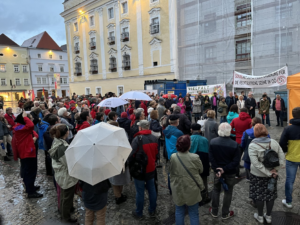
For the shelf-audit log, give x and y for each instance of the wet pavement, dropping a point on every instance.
(17, 209)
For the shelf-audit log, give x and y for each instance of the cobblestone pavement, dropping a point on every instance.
(16, 209)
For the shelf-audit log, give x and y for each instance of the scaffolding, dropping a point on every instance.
(255, 37)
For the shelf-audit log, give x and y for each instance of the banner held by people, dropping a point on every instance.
(274, 79)
(208, 90)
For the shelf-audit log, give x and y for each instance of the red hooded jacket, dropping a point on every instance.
(145, 108)
(22, 141)
(93, 113)
(10, 120)
(241, 124)
(150, 148)
(82, 126)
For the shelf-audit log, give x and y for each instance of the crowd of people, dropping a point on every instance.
(161, 127)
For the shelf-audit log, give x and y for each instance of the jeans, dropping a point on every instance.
(279, 115)
(230, 181)
(216, 110)
(140, 192)
(193, 214)
(28, 173)
(267, 119)
(223, 119)
(291, 171)
(189, 115)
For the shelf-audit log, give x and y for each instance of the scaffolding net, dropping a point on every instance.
(217, 37)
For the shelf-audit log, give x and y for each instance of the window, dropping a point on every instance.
(3, 82)
(16, 68)
(243, 49)
(39, 56)
(126, 62)
(40, 67)
(92, 22)
(210, 25)
(94, 66)
(284, 11)
(2, 68)
(125, 34)
(112, 64)
(62, 69)
(33, 41)
(78, 69)
(50, 56)
(44, 80)
(98, 90)
(243, 19)
(111, 13)
(154, 63)
(60, 57)
(52, 80)
(286, 42)
(18, 82)
(38, 80)
(210, 54)
(25, 69)
(154, 26)
(111, 38)
(243, 7)
(76, 48)
(15, 55)
(124, 7)
(51, 68)
(26, 83)
(120, 90)
(87, 91)
(76, 27)
(93, 43)
(64, 80)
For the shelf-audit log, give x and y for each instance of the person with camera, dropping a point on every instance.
(265, 155)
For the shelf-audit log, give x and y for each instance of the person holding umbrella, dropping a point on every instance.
(61, 173)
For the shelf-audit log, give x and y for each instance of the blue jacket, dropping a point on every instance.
(43, 126)
(171, 134)
(230, 117)
(227, 100)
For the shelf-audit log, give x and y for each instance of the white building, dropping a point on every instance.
(47, 59)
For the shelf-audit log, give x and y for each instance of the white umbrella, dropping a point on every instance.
(98, 153)
(112, 102)
(135, 95)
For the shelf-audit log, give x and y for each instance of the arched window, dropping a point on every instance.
(78, 69)
(94, 66)
(126, 62)
(112, 64)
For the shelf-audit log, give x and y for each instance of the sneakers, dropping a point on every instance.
(136, 216)
(6, 159)
(268, 218)
(229, 215)
(122, 199)
(210, 211)
(35, 195)
(259, 219)
(288, 205)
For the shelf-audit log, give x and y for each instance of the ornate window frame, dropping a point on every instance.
(155, 45)
(155, 13)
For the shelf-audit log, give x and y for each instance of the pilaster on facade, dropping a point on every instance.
(118, 38)
(102, 48)
(140, 37)
(83, 23)
(70, 47)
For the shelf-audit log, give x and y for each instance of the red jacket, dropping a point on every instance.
(241, 124)
(82, 126)
(150, 145)
(22, 142)
(10, 120)
(93, 113)
(145, 108)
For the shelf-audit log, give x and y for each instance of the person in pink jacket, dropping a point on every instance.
(181, 105)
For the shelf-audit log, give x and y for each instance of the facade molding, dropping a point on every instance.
(126, 48)
(92, 33)
(93, 55)
(155, 41)
(102, 47)
(154, 11)
(140, 37)
(76, 38)
(112, 51)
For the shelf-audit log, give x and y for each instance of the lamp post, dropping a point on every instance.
(12, 86)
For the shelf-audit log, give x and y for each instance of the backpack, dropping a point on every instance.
(137, 167)
(271, 158)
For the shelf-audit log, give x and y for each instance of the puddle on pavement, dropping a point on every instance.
(2, 182)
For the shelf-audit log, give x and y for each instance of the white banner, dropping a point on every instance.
(147, 91)
(208, 89)
(275, 79)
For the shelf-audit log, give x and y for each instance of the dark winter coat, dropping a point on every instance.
(184, 123)
(155, 126)
(125, 124)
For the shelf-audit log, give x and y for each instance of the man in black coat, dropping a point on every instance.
(250, 104)
(124, 122)
(224, 156)
(169, 102)
(184, 122)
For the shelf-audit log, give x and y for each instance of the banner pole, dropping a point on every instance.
(233, 83)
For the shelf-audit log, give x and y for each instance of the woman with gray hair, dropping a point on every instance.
(241, 102)
(224, 156)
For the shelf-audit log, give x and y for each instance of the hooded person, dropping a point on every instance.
(64, 116)
(172, 133)
(124, 122)
(106, 112)
(241, 124)
(94, 110)
(50, 103)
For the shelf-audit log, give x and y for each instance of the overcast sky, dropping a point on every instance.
(22, 19)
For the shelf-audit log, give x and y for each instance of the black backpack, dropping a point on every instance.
(137, 166)
(271, 158)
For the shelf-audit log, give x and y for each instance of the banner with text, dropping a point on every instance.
(208, 89)
(57, 80)
(275, 79)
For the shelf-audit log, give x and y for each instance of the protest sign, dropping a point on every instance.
(208, 89)
(274, 79)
